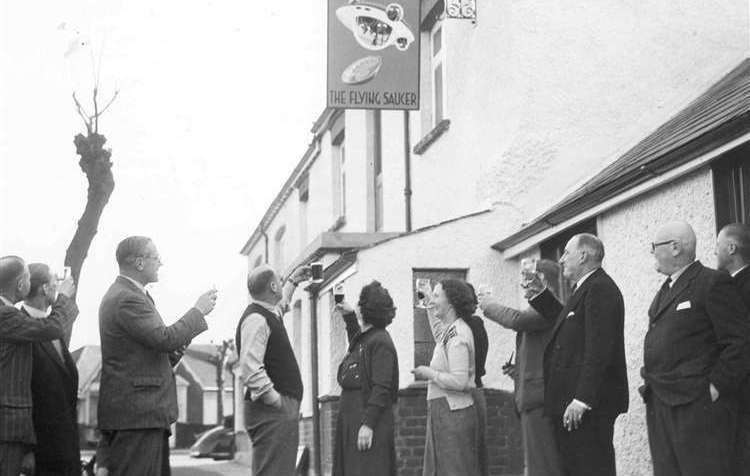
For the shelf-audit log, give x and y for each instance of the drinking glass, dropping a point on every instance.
(424, 289)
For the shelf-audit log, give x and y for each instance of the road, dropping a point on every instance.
(183, 465)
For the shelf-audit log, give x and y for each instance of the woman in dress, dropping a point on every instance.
(368, 375)
(453, 445)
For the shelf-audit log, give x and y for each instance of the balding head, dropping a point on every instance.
(583, 253)
(674, 247)
(263, 285)
(733, 247)
(14, 278)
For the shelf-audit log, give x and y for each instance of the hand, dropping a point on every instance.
(532, 286)
(344, 308)
(28, 464)
(573, 415)
(303, 273)
(510, 370)
(423, 372)
(67, 287)
(206, 303)
(364, 438)
(714, 392)
(272, 398)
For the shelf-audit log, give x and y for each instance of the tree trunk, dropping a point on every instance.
(96, 165)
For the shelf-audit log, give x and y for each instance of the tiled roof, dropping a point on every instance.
(719, 115)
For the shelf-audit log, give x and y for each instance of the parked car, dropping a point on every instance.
(216, 443)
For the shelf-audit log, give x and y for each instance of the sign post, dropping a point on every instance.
(373, 54)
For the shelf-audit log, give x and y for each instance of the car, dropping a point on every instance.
(216, 443)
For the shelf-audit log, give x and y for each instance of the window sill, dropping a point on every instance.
(432, 136)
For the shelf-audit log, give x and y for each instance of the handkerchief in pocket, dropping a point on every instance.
(683, 305)
(570, 314)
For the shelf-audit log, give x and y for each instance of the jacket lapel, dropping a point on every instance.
(682, 283)
(54, 355)
(574, 300)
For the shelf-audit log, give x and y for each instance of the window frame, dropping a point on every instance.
(437, 60)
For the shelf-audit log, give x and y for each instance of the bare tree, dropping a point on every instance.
(220, 361)
(97, 167)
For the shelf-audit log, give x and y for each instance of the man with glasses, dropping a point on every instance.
(695, 354)
(137, 396)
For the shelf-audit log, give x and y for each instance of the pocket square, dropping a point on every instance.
(683, 305)
(570, 314)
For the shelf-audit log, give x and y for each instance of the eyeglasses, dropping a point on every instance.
(156, 258)
(660, 243)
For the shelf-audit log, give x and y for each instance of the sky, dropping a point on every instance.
(216, 100)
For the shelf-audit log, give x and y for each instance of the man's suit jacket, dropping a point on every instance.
(742, 281)
(698, 334)
(17, 333)
(585, 357)
(137, 388)
(532, 334)
(54, 392)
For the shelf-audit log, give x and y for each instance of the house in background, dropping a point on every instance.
(197, 393)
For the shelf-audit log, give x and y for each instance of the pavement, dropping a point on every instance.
(183, 465)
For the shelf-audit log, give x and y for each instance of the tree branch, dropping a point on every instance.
(109, 103)
(81, 112)
(96, 112)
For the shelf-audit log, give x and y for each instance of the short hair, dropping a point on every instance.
(460, 296)
(40, 275)
(376, 305)
(740, 233)
(259, 280)
(592, 245)
(11, 268)
(131, 248)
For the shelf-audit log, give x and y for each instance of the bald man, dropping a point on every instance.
(733, 256)
(18, 333)
(694, 360)
(269, 372)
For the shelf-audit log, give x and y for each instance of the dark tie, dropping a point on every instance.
(575, 286)
(664, 291)
(148, 295)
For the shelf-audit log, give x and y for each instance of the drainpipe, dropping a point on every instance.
(314, 364)
(407, 166)
(265, 236)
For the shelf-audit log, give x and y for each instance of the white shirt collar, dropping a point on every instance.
(265, 305)
(5, 301)
(676, 275)
(739, 270)
(584, 278)
(137, 284)
(34, 312)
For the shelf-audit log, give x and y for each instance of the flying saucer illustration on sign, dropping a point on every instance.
(375, 27)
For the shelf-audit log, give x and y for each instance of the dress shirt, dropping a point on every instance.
(676, 275)
(39, 314)
(739, 270)
(5, 301)
(255, 334)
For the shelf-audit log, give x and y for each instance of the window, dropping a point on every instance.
(732, 187)
(424, 344)
(339, 177)
(278, 260)
(303, 189)
(553, 249)
(297, 329)
(378, 172)
(437, 51)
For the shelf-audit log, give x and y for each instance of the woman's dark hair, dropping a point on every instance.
(460, 296)
(481, 341)
(376, 305)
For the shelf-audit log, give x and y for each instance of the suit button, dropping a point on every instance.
(653, 325)
(557, 347)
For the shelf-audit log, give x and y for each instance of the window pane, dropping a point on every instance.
(732, 187)
(437, 41)
(438, 83)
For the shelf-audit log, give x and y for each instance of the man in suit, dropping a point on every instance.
(733, 256)
(694, 360)
(269, 371)
(54, 387)
(18, 332)
(137, 396)
(541, 457)
(585, 378)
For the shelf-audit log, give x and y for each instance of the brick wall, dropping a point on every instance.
(503, 432)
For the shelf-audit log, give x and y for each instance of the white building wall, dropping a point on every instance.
(627, 232)
(543, 94)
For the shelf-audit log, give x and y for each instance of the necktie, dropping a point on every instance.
(148, 295)
(664, 291)
(575, 287)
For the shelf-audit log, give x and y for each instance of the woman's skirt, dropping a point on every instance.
(380, 459)
(453, 440)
